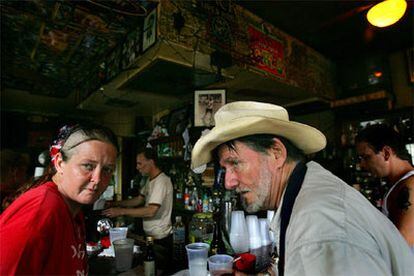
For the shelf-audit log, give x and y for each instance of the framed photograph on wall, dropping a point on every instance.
(206, 104)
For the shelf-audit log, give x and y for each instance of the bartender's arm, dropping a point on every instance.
(404, 217)
(133, 202)
(140, 212)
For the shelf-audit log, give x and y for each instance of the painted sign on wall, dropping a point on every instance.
(266, 53)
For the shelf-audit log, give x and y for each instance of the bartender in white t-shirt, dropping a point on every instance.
(157, 199)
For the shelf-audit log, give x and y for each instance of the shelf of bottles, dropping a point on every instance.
(168, 146)
(192, 193)
(207, 209)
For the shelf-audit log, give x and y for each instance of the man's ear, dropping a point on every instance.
(387, 151)
(279, 151)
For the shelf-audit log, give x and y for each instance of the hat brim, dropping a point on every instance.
(304, 137)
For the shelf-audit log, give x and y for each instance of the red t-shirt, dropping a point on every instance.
(38, 235)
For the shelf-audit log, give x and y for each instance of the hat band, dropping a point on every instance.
(220, 123)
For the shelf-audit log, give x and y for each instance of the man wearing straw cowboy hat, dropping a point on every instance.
(324, 226)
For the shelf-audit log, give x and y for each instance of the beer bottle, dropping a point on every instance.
(149, 261)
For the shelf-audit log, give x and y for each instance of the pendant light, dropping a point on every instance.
(386, 12)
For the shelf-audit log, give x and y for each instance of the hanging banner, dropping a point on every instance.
(266, 53)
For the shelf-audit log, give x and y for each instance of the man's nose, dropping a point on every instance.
(230, 180)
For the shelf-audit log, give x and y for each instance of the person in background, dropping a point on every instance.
(382, 152)
(325, 227)
(42, 232)
(13, 173)
(208, 118)
(157, 200)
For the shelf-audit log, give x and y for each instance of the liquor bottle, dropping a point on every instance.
(217, 245)
(178, 197)
(205, 202)
(179, 241)
(149, 261)
(186, 199)
(194, 199)
(199, 206)
(217, 189)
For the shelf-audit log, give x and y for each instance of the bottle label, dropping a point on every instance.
(179, 234)
(149, 268)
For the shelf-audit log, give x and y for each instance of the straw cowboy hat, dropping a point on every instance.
(238, 119)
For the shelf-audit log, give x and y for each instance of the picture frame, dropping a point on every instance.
(206, 104)
(150, 30)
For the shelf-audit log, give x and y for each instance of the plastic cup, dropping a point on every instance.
(264, 232)
(117, 233)
(220, 264)
(238, 222)
(239, 243)
(124, 253)
(254, 231)
(197, 258)
(270, 214)
(239, 237)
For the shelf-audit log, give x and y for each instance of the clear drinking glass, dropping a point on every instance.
(197, 258)
(124, 253)
(117, 233)
(220, 264)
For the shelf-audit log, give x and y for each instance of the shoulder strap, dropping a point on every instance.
(292, 190)
(385, 201)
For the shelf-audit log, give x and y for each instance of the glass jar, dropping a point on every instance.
(201, 228)
(209, 227)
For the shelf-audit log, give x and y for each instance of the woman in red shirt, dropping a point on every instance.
(43, 231)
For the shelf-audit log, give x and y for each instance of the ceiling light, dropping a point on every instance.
(386, 13)
(378, 74)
